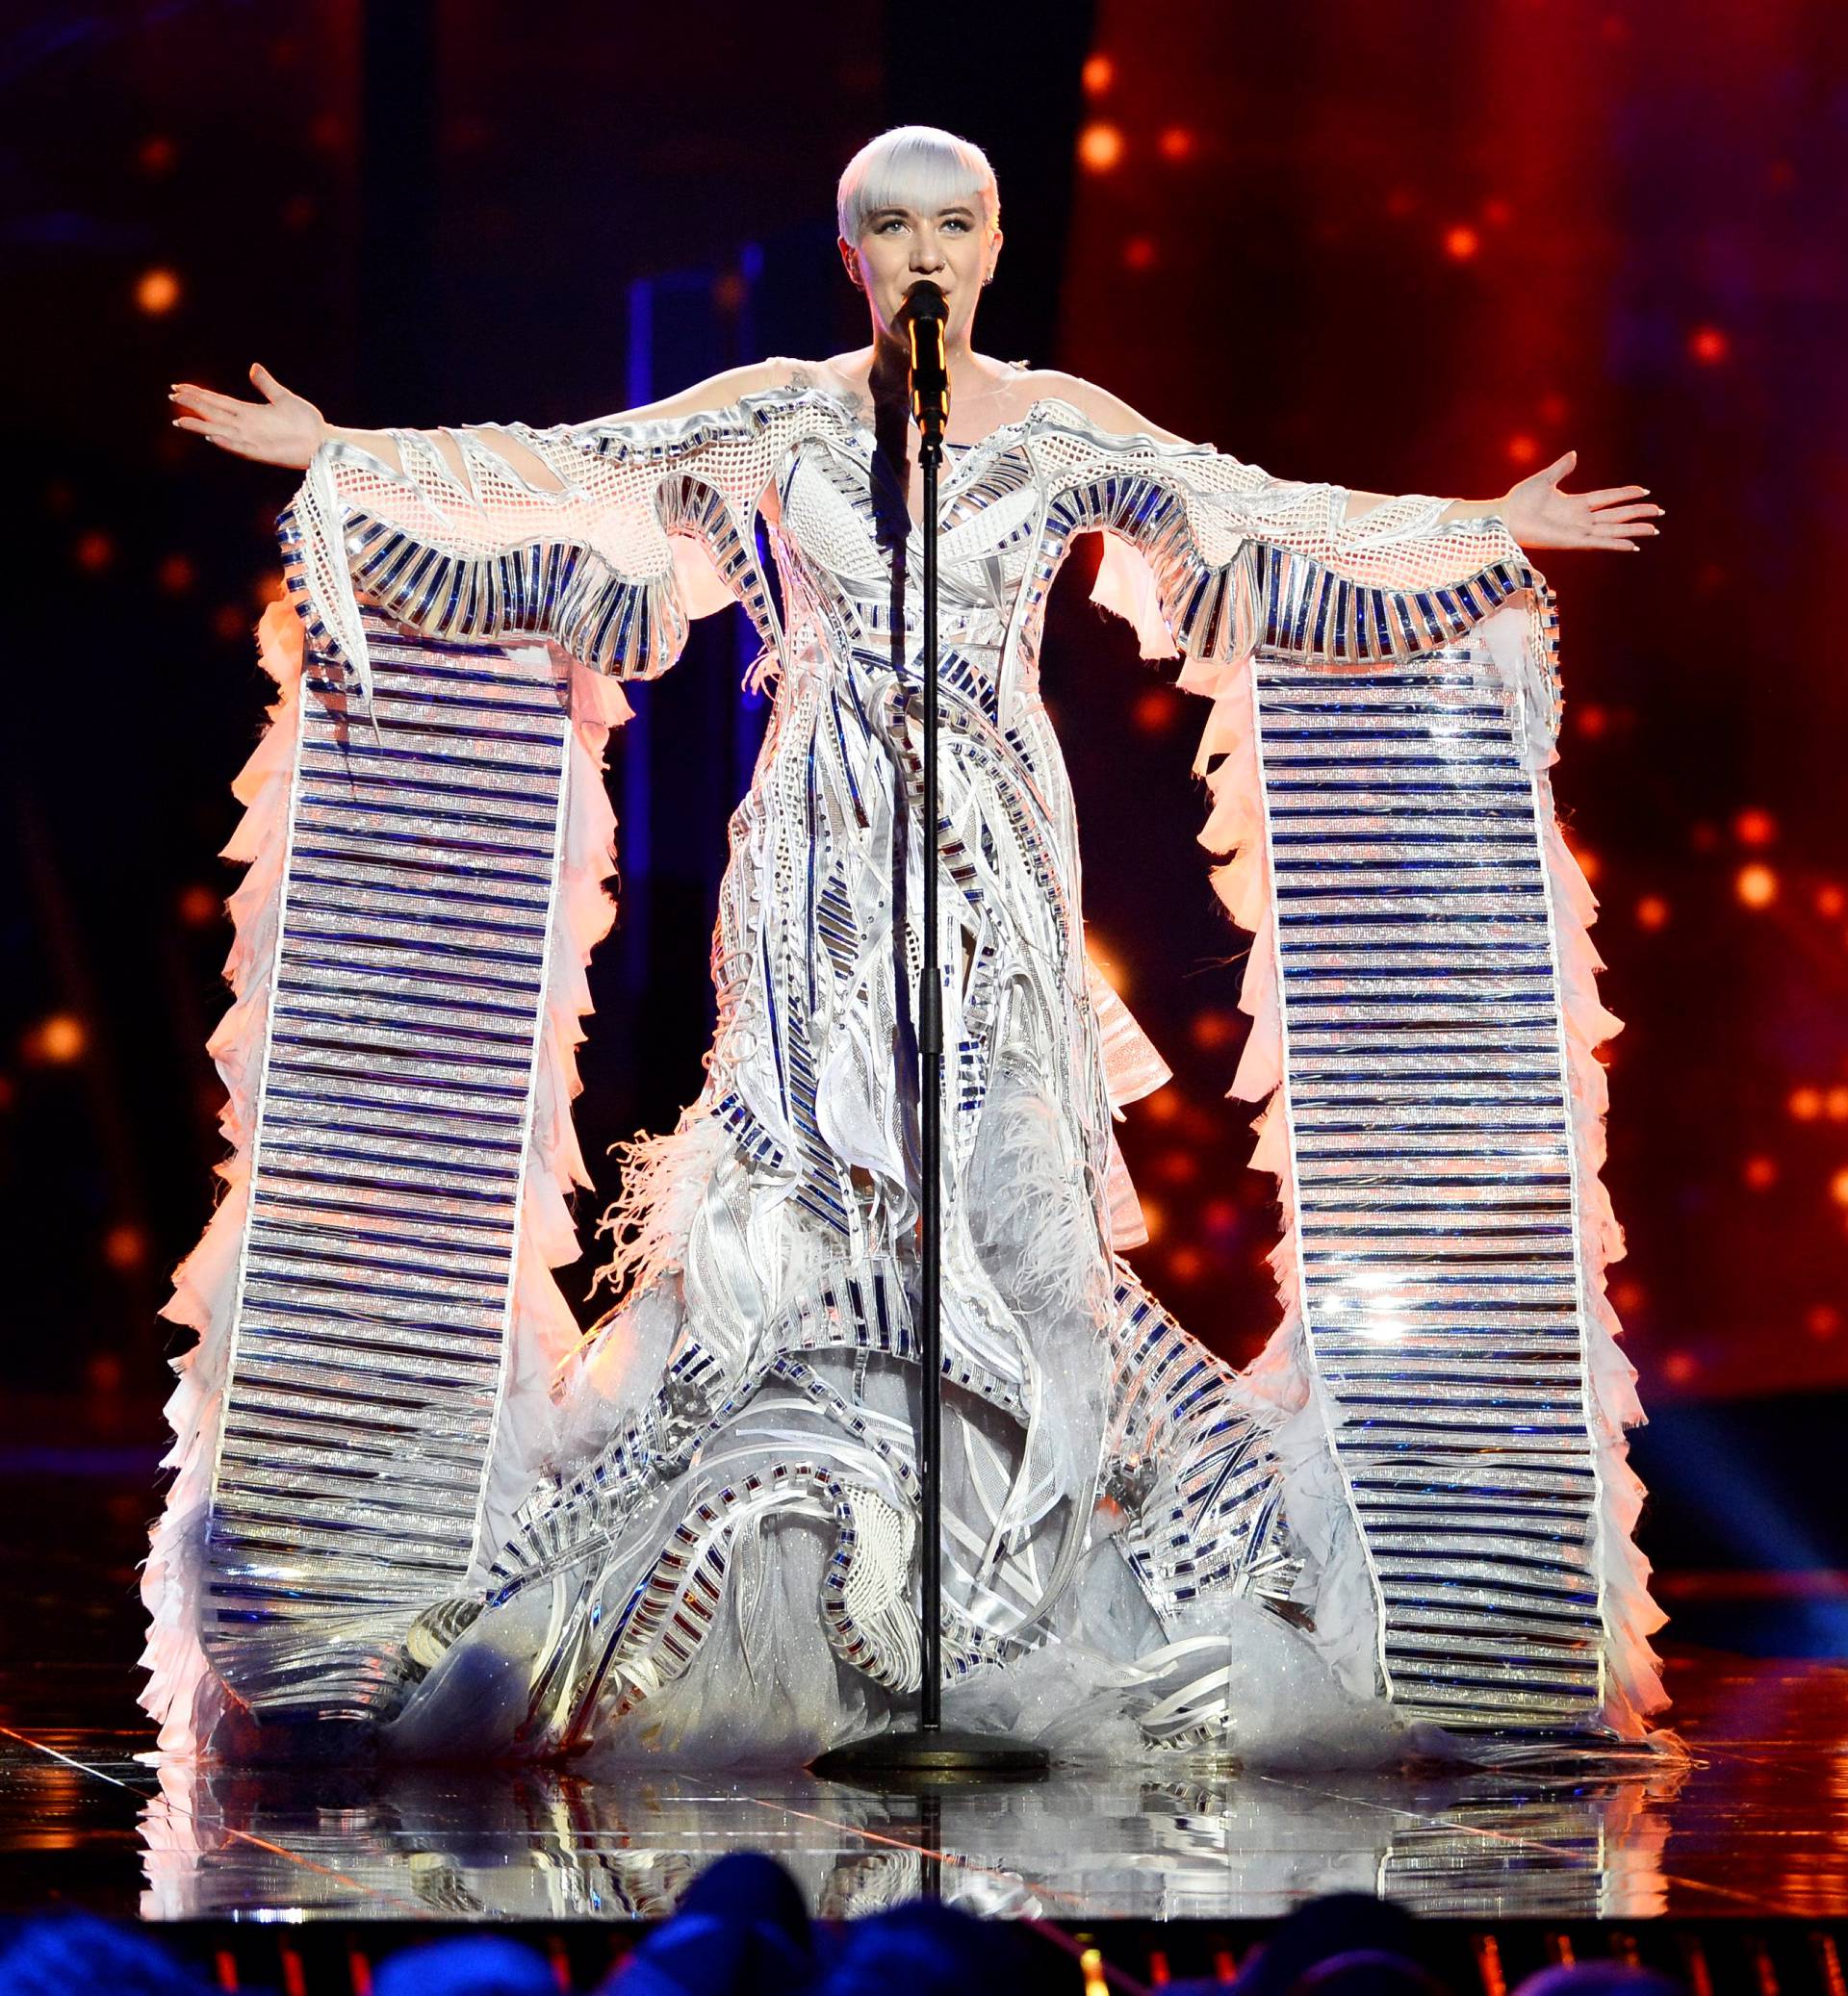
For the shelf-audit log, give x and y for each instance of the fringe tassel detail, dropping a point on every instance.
(183, 1693)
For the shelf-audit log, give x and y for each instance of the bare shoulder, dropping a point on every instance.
(1097, 405)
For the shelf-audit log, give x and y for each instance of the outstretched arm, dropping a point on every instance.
(286, 429)
(1537, 512)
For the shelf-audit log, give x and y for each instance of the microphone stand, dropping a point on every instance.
(930, 1754)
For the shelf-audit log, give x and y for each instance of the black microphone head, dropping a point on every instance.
(925, 300)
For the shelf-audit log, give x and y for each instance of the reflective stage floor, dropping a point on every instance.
(1752, 1824)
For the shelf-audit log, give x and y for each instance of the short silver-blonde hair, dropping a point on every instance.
(915, 166)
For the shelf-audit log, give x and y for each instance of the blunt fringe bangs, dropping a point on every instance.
(915, 166)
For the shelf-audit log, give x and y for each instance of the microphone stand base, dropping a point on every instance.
(933, 1757)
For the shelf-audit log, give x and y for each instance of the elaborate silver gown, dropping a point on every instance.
(412, 1507)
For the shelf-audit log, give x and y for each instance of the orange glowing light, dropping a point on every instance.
(1804, 1104)
(729, 293)
(1755, 885)
(1589, 863)
(1178, 1167)
(1100, 147)
(1097, 75)
(1162, 1107)
(94, 550)
(1154, 1220)
(1213, 1028)
(1708, 346)
(177, 575)
(157, 292)
(56, 1040)
(229, 622)
(1155, 712)
(1629, 1297)
(1829, 900)
(1838, 1187)
(1461, 242)
(1755, 828)
(1680, 1367)
(124, 1248)
(1760, 1173)
(1824, 1320)
(197, 906)
(1835, 1105)
(1140, 253)
(1522, 448)
(1177, 142)
(1186, 1264)
(1652, 912)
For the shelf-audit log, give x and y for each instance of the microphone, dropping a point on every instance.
(925, 312)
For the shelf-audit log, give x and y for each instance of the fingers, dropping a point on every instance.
(1618, 515)
(205, 400)
(266, 383)
(1613, 495)
(1560, 466)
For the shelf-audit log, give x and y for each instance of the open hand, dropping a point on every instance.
(1539, 515)
(280, 430)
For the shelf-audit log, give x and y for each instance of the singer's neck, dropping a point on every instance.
(888, 368)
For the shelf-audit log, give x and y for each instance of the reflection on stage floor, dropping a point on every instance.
(1751, 1822)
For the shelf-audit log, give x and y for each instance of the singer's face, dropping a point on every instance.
(899, 245)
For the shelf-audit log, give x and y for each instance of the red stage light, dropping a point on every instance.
(1591, 720)
(124, 1248)
(1652, 912)
(1823, 1322)
(1838, 1187)
(1829, 900)
(94, 550)
(1804, 1104)
(1523, 448)
(1461, 242)
(177, 575)
(1760, 1173)
(157, 292)
(56, 1041)
(1708, 346)
(1100, 147)
(197, 905)
(1755, 828)
(1176, 143)
(1139, 253)
(1097, 75)
(1755, 885)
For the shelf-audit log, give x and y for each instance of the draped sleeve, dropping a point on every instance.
(1212, 560)
(590, 567)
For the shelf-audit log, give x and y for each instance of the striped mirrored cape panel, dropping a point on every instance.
(377, 1285)
(1431, 1142)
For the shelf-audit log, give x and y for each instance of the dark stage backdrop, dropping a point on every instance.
(1418, 247)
